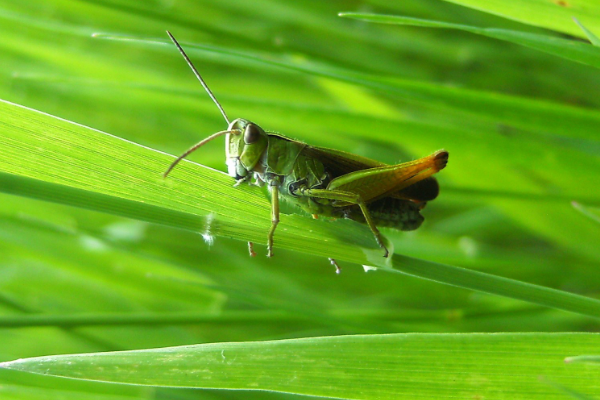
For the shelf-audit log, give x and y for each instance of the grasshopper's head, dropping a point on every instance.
(245, 144)
(244, 147)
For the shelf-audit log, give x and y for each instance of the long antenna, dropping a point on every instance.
(195, 147)
(210, 93)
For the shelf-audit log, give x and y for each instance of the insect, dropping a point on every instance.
(324, 181)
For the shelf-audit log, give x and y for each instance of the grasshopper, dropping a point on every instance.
(324, 181)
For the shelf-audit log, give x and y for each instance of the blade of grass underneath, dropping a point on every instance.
(400, 366)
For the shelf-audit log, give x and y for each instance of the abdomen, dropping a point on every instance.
(389, 212)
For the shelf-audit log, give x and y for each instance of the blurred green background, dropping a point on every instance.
(518, 123)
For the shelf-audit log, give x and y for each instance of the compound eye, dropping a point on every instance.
(252, 134)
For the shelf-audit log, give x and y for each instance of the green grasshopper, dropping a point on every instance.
(324, 181)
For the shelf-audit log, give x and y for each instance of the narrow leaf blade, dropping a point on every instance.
(399, 366)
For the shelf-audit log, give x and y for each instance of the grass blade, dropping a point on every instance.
(555, 15)
(590, 35)
(400, 366)
(569, 49)
(129, 184)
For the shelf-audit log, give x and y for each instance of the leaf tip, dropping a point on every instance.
(590, 36)
(14, 364)
(583, 359)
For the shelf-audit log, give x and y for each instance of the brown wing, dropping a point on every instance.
(425, 190)
(338, 163)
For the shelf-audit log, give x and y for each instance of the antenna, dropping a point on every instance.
(195, 147)
(210, 93)
(214, 99)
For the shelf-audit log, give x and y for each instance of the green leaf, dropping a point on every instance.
(398, 366)
(588, 359)
(569, 49)
(58, 157)
(591, 212)
(555, 14)
(574, 394)
(590, 35)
